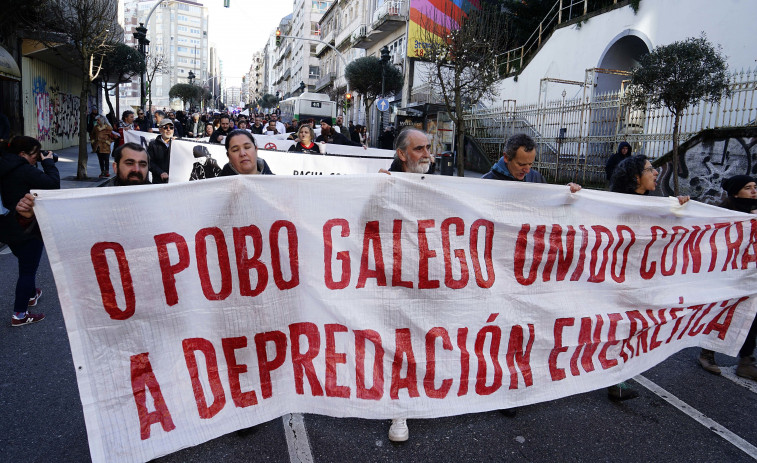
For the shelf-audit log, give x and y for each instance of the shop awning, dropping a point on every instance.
(8, 67)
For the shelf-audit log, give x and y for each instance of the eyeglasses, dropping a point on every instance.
(140, 114)
(167, 127)
(648, 169)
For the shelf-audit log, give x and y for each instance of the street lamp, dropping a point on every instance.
(140, 35)
(191, 77)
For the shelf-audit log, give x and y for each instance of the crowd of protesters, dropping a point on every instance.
(628, 173)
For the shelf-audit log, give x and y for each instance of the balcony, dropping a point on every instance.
(387, 18)
(324, 81)
(359, 33)
(321, 48)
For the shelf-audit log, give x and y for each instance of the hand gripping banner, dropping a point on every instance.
(199, 308)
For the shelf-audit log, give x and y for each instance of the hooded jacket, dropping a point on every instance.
(615, 159)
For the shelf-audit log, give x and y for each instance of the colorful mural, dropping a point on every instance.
(57, 112)
(437, 16)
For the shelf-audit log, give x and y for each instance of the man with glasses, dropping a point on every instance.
(159, 151)
(143, 124)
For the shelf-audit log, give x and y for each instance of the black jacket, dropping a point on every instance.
(219, 132)
(144, 125)
(262, 168)
(160, 158)
(298, 148)
(338, 139)
(615, 159)
(18, 177)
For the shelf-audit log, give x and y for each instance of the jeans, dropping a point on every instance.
(28, 254)
(747, 349)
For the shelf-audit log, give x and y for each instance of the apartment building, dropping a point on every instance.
(177, 31)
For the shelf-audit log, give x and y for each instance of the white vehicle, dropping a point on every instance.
(307, 106)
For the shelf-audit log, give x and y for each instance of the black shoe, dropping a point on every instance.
(621, 392)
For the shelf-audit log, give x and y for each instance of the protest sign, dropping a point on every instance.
(199, 308)
(193, 160)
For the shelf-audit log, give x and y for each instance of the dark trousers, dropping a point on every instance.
(28, 254)
(749, 343)
(103, 158)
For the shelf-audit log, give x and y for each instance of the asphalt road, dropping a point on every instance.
(41, 417)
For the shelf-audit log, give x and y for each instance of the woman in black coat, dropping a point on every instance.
(742, 197)
(19, 174)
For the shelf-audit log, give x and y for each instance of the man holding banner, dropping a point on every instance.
(131, 164)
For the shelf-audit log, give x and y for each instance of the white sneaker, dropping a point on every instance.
(398, 431)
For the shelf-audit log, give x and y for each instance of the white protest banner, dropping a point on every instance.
(140, 138)
(194, 161)
(199, 308)
(280, 143)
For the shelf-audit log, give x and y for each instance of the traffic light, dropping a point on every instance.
(347, 100)
(278, 37)
(226, 3)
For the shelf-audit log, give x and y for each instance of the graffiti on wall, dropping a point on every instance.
(704, 165)
(57, 112)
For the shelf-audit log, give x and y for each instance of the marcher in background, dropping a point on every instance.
(624, 151)
(143, 123)
(159, 116)
(243, 156)
(258, 127)
(208, 130)
(219, 135)
(305, 143)
(742, 197)
(196, 127)
(102, 136)
(280, 127)
(19, 175)
(92, 119)
(159, 151)
(271, 129)
(341, 128)
(178, 128)
(329, 135)
(126, 123)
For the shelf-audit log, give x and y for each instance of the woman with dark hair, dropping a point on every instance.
(243, 155)
(208, 130)
(305, 143)
(19, 174)
(633, 175)
(742, 197)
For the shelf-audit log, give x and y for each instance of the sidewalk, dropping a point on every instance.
(68, 159)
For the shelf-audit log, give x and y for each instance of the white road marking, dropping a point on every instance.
(730, 373)
(737, 441)
(297, 438)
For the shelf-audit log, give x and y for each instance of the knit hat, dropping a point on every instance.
(734, 184)
(327, 120)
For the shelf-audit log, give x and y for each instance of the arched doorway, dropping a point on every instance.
(622, 54)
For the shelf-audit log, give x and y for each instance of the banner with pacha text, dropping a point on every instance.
(198, 308)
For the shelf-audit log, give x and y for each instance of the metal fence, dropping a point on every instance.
(576, 136)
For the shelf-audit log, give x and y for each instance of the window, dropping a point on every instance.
(315, 28)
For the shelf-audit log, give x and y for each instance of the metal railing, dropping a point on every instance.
(397, 8)
(512, 61)
(576, 136)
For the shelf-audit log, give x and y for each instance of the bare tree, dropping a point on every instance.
(156, 64)
(461, 50)
(81, 32)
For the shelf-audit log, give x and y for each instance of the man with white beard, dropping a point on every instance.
(412, 155)
(413, 152)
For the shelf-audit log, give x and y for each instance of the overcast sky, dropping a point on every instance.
(241, 30)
